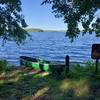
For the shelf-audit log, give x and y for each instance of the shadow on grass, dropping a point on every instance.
(79, 84)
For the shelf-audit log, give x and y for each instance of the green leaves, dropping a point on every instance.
(75, 12)
(12, 21)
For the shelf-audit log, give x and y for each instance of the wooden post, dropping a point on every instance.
(67, 63)
(96, 70)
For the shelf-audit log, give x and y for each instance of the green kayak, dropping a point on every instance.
(42, 65)
(34, 63)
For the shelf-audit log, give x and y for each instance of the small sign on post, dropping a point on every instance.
(96, 54)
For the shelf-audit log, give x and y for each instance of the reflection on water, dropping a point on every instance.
(50, 46)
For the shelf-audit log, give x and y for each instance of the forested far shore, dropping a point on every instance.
(34, 30)
(42, 30)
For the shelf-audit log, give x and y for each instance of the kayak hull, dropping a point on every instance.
(34, 63)
(41, 64)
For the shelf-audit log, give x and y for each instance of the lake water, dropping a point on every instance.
(53, 46)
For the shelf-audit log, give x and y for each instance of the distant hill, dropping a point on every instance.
(54, 30)
(34, 30)
(41, 30)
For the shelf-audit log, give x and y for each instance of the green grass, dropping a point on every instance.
(79, 84)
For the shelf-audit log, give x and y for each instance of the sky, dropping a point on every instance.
(38, 16)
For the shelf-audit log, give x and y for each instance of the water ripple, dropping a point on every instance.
(52, 46)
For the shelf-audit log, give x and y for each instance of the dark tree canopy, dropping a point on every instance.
(12, 21)
(75, 12)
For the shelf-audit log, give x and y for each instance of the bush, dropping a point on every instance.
(4, 66)
(57, 69)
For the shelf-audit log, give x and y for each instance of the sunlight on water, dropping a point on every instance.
(52, 46)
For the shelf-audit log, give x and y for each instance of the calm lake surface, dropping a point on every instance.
(53, 46)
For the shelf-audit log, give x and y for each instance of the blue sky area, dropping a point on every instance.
(38, 16)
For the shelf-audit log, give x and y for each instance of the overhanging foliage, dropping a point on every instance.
(12, 21)
(77, 12)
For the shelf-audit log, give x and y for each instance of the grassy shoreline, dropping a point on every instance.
(28, 84)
